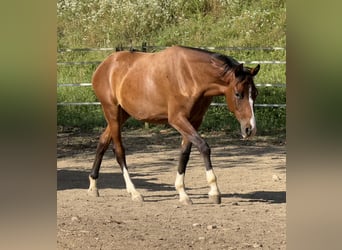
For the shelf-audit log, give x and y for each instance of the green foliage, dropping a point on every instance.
(98, 23)
(225, 23)
(269, 120)
(84, 117)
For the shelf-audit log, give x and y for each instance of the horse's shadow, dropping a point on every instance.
(259, 196)
(76, 179)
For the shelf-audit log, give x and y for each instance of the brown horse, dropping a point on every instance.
(174, 86)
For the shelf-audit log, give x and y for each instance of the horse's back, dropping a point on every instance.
(118, 64)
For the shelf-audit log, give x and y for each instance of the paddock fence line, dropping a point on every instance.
(144, 48)
(88, 84)
(147, 48)
(212, 104)
(279, 85)
(98, 62)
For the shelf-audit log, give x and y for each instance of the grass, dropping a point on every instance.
(100, 23)
(217, 23)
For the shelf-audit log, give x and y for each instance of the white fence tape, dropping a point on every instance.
(164, 47)
(98, 62)
(212, 104)
(87, 84)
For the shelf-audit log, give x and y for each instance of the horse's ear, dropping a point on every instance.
(255, 70)
(238, 69)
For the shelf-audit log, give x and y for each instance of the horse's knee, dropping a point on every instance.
(204, 148)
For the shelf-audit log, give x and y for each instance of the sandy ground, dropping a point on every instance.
(251, 177)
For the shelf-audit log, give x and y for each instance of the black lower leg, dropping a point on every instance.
(120, 155)
(205, 152)
(96, 167)
(184, 157)
(101, 149)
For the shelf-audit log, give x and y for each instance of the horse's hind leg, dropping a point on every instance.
(102, 146)
(116, 118)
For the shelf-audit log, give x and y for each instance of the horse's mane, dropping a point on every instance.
(228, 62)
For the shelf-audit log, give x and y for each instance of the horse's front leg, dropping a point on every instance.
(183, 160)
(189, 132)
(204, 149)
(214, 193)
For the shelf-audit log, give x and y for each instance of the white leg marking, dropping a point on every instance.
(93, 187)
(211, 178)
(179, 184)
(130, 186)
(252, 120)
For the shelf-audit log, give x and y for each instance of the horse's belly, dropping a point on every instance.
(145, 107)
(146, 112)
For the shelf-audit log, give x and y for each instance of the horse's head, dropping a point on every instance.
(240, 97)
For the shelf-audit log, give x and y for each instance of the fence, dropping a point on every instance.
(146, 48)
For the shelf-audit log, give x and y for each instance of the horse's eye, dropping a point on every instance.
(239, 95)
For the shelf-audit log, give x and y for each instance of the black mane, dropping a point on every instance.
(228, 62)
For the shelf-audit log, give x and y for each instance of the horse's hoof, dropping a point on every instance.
(216, 199)
(186, 202)
(138, 198)
(93, 192)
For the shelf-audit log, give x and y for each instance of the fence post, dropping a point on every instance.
(144, 47)
(119, 48)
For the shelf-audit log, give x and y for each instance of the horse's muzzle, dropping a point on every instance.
(247, 131)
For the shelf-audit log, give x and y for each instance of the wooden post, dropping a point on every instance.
(144, 47)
